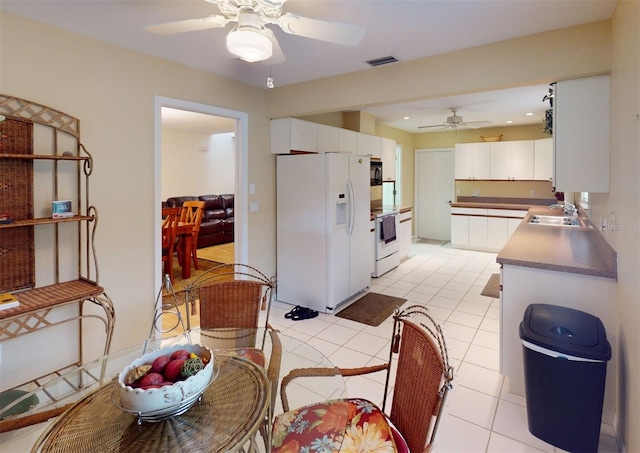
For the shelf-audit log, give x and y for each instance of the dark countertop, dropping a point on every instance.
(500, 202)
(576, 250)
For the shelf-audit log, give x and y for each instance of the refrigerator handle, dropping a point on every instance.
(352, 207)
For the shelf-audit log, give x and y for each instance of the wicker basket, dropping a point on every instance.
(491, 138)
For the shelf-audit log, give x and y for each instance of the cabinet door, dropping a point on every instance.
(501, 160)
(404, 242)
(388, 153)
(348, 141)
(459, 230)
(512, 224)
(328, 139)
(522, 157)
(477, 231)
(497, 232)
(364, 144)
(304, 135)
(462, 160)
(375, 147)
(543, 159)
(481, 161)
(581, 135)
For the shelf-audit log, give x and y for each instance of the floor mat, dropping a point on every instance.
(371, 309)
(492, 288)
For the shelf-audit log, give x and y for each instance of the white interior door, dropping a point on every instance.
(434, 192)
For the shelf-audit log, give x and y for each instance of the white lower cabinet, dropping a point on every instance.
(483, 229)
(522, 286)
(404, 235)
(372, 235)
(477, 231)
(459, 231)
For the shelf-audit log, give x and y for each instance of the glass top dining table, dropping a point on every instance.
(84, 396)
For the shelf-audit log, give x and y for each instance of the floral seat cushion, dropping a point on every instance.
(343, 425)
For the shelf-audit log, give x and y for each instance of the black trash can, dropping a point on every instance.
(565, 355)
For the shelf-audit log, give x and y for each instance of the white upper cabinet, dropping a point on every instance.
(368, 145)
(292, 134)
(472, 161)
(581, 135)
(348, 141)
(512, 160)
(328, 139)
(388, 155)
(543, 159)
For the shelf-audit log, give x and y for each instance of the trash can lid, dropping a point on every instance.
(565, 330)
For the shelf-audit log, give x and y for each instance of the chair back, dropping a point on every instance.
(423, 377)
(192, 213)
(231, 297)
(170, 219)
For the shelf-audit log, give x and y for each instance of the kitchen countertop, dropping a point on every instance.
(575, 250)
(389, 209)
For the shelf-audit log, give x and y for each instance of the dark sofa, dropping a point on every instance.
(217, 219)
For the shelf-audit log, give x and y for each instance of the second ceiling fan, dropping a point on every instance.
(456, 122)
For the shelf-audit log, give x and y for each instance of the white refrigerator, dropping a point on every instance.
(323, 230)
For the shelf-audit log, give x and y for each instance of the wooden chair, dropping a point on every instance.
(192, 212)
(423, 378)
(171, 217)
(231, 297)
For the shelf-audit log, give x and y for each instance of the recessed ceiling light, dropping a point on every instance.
(406, 118)
(529, 114)
(509, 122)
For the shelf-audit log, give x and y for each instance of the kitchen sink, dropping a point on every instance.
(564, 221)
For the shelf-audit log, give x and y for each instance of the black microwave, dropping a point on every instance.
(376, 173)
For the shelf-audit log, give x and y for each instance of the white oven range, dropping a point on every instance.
(387, 246)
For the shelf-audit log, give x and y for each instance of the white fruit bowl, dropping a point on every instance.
(173, 399)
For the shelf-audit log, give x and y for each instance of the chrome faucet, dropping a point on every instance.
(569, 209)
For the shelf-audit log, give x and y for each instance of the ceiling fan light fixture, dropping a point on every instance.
(249, 44)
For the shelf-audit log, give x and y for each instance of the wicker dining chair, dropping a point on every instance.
(423, 378)
(231, 297)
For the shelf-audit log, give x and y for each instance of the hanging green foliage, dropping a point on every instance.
(548, 114)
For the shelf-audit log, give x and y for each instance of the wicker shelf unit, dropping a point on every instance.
(68, 169)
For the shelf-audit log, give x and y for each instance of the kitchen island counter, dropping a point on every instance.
(579, 250)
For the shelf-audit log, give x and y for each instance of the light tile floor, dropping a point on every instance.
(480, 415)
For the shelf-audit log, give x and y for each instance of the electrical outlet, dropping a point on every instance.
(476, 192)
(254, 206)
(533, 193)
(612, 222)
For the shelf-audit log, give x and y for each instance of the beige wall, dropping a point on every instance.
(623, 201)
(112, 91)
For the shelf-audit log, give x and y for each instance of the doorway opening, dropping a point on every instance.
(236, 120)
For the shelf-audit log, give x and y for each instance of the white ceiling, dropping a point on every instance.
(406, 30)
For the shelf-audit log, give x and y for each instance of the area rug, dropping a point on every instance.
(179, 284)
(371, 309)
(492, 288)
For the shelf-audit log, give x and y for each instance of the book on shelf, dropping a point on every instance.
(8, 300)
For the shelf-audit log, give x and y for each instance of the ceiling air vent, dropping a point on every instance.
(383, 60)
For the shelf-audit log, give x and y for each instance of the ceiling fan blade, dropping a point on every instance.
(475, 124)
(182, 26)
(433, 125)
(335, 32)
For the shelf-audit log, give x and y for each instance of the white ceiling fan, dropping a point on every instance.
(251, 40)
(456, 122)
